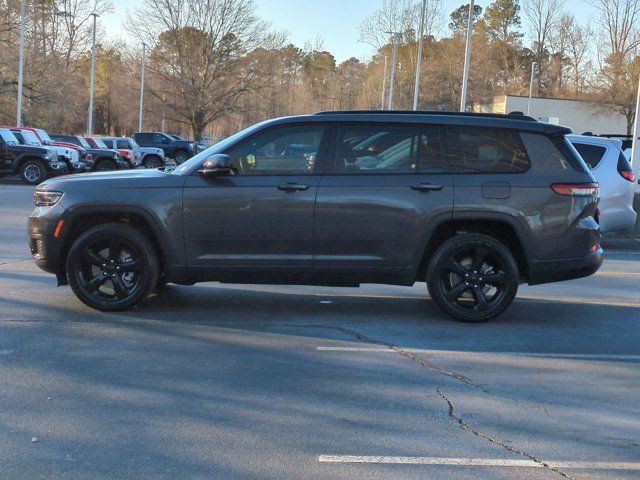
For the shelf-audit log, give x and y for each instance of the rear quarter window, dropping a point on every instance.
(485, 150)
(591, 154)
(551, 154)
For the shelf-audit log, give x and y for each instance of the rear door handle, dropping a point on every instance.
(293, 187)
(427, 187)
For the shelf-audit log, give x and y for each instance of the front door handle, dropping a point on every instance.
(293, 187)
(427, 187)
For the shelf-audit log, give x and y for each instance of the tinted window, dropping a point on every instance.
(108, 142)
(591, 154)
(377, 148)
(485, 150)
(123, 144)
(158, 138)
(432, 152)
(280, 151)
(145, 137)
(547, 154)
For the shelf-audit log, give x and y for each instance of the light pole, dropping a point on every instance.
(93, 69)
(416, 90)
(394, 61)
(21, 63)
(467, 59)
(634, 145)
(534, 65)
(384, 83)
(144, 52)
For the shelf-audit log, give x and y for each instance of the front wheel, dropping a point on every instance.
(106, 166)
(473, 278)
(112, 267)
(33, 172)
(152, 161)
(180, 157)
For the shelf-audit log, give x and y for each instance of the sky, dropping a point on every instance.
(335, 22)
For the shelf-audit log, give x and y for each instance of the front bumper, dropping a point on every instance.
(57, 168)
(548, 271)
(122, 164)
(44, 247)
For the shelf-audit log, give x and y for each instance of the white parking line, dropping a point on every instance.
(478, 462)
(577, 356)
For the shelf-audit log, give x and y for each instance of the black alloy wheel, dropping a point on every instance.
(112, 267)
(473, 277)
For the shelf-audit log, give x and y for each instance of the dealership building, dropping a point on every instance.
(581, 115)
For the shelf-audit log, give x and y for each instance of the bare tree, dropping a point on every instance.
(542, 17)
(574, 42)
(619, 22)
(199, 55)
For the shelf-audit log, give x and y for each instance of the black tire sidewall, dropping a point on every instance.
(183, 154)
(111, 163)
(128, 233)
(152, 158)
(41, 167)
(443, 253)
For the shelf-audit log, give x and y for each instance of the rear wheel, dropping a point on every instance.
(152, 161)
(473, 278)
(33, 172)
(112, 267)
(106, 166)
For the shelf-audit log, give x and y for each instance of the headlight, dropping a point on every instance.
(42, 198)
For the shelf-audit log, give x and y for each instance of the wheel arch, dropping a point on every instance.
(80, 219)
(503, 228)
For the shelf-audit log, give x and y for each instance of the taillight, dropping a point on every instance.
(627, 175)
(88, 156)
(576, 189)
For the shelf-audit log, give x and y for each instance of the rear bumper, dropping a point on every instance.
(548, 271)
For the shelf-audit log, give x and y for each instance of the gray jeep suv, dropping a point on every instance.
(472, 204)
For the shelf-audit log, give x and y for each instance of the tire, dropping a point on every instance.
(180, 157)
(106, 166)
(152, 161)
(33, 172)
(458, 274)
(112, 267)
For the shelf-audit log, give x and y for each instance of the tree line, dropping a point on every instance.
(214, 67)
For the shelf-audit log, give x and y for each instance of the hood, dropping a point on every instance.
(94, 181)
(29, 149)
(101, 152)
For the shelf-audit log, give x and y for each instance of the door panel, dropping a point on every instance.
(387, 184)
(263, 214)
(248, 220)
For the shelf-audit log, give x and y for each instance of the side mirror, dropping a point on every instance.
(215, 165)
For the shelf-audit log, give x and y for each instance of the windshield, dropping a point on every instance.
(30, 138)
(44, 136)
(8, 137)
(100, 143)
(219, 147)
(133, 143)
(84, 143)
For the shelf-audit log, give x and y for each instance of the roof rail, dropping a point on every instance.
(511, 116)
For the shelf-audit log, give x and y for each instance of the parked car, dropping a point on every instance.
(615, 176)
(44, 137)
(103, 159)
(178, 150)
(67, 155)
(200, 145)
(33, 164)
(128, 155)
(149, 157)
(473, 204)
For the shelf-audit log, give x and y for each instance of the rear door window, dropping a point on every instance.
(366, 149)
(591, 154)
(485, 150)
(123, 144)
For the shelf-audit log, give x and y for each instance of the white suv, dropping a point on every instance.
(615, 176)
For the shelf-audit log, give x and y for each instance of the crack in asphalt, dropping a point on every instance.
(465, 426)
(449, 373)
(14, 262)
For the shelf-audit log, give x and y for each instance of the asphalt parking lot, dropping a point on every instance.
(261, 382)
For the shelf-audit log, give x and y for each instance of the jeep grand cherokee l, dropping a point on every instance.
(472, 204)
